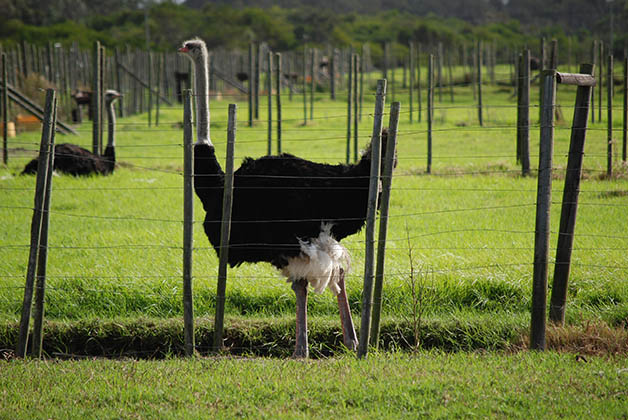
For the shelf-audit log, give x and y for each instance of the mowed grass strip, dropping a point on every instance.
(427, 384)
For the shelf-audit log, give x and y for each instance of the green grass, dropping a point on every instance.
(426, 384)
(469, 226)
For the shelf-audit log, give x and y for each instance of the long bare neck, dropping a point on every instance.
(202, 100)
(111, 126)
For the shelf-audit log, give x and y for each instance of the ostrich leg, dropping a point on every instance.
(300, 290)
(348, 330)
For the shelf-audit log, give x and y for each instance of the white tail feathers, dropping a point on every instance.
(320, 262)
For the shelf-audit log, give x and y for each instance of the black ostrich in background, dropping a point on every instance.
(287, 211)
(75, 160)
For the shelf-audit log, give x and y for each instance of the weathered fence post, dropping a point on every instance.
(411, 82)
(304, 86)
(543, 203)
(278, 88)
(269, 85)
(258, 70)
(5, 111)
(313, 85)
(251, 83)
(349, 107)
(225, 229)
(369, 259)
(389, 164)
(430, 110)
(571, 190)
(479, 81)
(119, 82)
(523, 112)
(188, 223)
(418, 83)
(332, 74)
(356, 67)
(609, 116)
(42, 257)
(36, 222)
(96, 102)
(600, 45)
(625, 111)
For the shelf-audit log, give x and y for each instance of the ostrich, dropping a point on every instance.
(75, 160)
(287, 211)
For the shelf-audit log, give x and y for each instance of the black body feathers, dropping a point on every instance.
(75, 160)
(278, 200)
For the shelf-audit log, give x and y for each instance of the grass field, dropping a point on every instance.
(391, 386)
(463, 235)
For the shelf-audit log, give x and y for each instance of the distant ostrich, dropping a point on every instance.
(287, 211)
(75, 160)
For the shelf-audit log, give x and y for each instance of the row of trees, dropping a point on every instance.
(122, 22)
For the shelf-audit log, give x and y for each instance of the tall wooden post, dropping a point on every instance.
(225, 229)
(383, 221)
(42, 257)
(304, 86)
(369, 260)
(96, 102)
(5, 110)
(609, 116)
(625, 111)
(269, 86)
(543, 204)
(278, 89)
(349, 106)
(356, 70)
(570, 195)
(479, 81)
(36, 222)
(251, 83)
(523, 112)
(430, 110)
(411, 82)
(313, 85)
(188, 223)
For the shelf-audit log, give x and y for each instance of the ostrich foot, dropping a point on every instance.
(348, 330)
(300, 290)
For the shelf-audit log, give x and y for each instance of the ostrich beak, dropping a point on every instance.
(183, 49)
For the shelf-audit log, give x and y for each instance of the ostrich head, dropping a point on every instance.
(111, 96)
(195, 50)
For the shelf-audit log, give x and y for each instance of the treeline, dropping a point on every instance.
(513, 24)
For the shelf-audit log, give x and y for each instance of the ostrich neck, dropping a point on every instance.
(111, 126)
(202, 101)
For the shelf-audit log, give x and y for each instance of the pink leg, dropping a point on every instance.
(300, 290)
(348, 330)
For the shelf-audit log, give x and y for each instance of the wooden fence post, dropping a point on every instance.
(418, 83)
(356, 67)
(625, 112)
(225, 230)
(383, 220)
(600, 45)
(42, 257)
(369, 259)
(430, 110)
(251, 83)
(570, 194)
(36, 223)
(258, 71)
(332, 74)
(313, 85)
(278, 88)
(411, 82)
(304, 86)
(609, 116)
(349, 107)
(96, 102)
(5, 111)
(479, 81)
(101, 90)
(188, 224)
(543, 204)
(116, 55)
(269, 86)
(523, 112)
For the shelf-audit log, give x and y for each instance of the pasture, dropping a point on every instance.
(459, 251)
